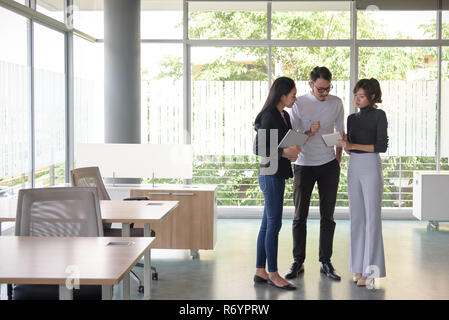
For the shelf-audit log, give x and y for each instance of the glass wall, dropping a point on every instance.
(297, 63)
(445, 108)
(445, 26)
(89, 92)
(15, 134)
(88, 16)
(51, 8)
(408, 79)
(310, 20)
(375, 24)
(162, 93)
(49, 102)
(161, 20)
(228, 20)
(228, 81)
(229, 86)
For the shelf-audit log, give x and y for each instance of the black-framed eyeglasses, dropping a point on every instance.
(322, 90)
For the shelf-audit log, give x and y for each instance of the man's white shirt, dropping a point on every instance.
(330, 113)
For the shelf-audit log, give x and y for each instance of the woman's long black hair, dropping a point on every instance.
(281, 86)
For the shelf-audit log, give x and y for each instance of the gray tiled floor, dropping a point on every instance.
(416, 259)
(417, 262)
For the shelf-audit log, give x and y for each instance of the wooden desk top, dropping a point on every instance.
(135, 211)
(111, 211)
(44, 260)
(158, 187)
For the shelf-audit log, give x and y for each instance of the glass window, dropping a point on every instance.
(396, 24)
(162, 93)
(15, 143)
(51, 8)
(229, 87)
(310, 20)
(408, 79)
(161, 20)
(89, 92)
(445, 27)
(297, 63)
(445, 104)
(49, 97)
(227, 20)
(88, 17)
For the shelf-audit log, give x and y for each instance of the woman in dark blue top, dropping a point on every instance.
(271, 124)
(366, 138)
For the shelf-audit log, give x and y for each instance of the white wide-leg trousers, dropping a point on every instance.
(365, 188)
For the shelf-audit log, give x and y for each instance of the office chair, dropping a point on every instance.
(57, 212)
(91, 177)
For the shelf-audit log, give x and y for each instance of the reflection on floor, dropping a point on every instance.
(416, 262)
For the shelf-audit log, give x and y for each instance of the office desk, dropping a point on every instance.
(55, 260)
(127, 212)
(118, 211)
(193, 224)
(112, 211)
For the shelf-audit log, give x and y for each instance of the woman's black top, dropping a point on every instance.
(272, 119)
(368, 126)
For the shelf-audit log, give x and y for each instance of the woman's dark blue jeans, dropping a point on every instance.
(267, 242)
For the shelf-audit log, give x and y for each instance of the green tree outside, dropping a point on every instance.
(236, 176)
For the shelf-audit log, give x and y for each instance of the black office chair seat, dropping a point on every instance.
(51, 292)
(134, 232)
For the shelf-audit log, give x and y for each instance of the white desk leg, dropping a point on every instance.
(147, 265)
(126, 284)
(126, 229)
(147, 275)
(126, 287)
(146, 230)
(106, 292)
(65, 293)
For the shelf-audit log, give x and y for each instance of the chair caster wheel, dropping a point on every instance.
(154, 276)
(141, 289)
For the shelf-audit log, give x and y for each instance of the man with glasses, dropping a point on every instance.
(314, 114)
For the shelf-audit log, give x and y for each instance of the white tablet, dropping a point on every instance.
(331, 138)
(293, 138)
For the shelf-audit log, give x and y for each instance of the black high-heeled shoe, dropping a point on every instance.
(286, 287)
(259, 279)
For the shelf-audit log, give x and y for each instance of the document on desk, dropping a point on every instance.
(293, 138)
(331, 139)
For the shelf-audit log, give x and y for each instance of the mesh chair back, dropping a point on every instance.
(89, 177)
(58, 212)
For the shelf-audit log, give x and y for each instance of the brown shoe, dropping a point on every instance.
(365, 282)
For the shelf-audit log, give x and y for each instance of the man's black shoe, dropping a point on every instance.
(328, 270)
(295, 270)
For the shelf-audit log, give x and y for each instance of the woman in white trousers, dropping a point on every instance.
(366, 138)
